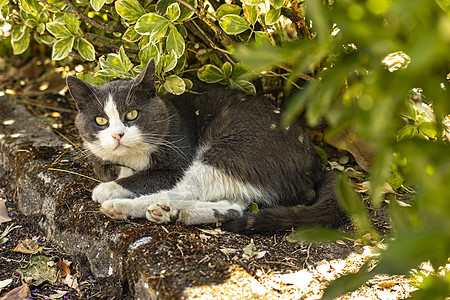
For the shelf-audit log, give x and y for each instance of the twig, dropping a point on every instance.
(117, 27)
(307, 255)
(104, 41)
(296, 17)
(202, 15)
(74, 173)
(280, 263)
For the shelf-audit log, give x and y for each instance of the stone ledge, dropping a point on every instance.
(136, 259)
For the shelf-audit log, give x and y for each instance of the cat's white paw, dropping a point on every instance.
(162, 213)
(116, 208)
(109, 190)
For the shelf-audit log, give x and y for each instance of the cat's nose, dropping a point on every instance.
(117, 136)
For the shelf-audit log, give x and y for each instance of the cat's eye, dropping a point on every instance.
(132, 115)
(101, 121)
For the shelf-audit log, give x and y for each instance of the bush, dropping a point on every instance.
(359, 65)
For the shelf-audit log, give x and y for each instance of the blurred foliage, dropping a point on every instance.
(379, 68)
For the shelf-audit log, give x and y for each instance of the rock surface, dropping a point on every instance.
(52, 185)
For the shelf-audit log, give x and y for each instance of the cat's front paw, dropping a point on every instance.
(116, 208)
(109, 190)
(162, 213)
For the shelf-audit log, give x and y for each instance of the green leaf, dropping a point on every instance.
(72, 22)
(227, 69)
(131, 35)
(188, 83)
(444, 5)
(170, 61)
(348, 283)
(153, 25)
(318, 234)
(3, 2)
(185, 13)
(277, 4)
(40, 28)
(147, 52)
(97, 4)
(238, 71)
(233, 24)
(379, 172)
(91, 79)
(130, 10)
(406, 132)
(243, 85)
(228, 9)
(58, 30)
(173, 12)
(116, 65)
(30, 6)
(20, 39)
(272, 16)
(46, 39)
(261, 38)
(353, 205)
(86, 49)
(175, 85)
(429, 129)
(62, 48)
(253, 207)
(175, 42)
(251, 13)
(210, 74)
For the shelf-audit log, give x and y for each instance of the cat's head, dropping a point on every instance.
(120, 117)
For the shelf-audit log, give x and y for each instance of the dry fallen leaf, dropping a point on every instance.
(5, 283)
(4, 212)
(71, 281)
(59, 294)
(63, 268)
(28, 246)
(19, 293)
(350, 141)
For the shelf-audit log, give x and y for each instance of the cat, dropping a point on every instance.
(200, 157)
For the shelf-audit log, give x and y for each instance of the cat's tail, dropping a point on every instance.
(324, 212)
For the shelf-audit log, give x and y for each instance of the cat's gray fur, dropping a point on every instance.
(201, 158)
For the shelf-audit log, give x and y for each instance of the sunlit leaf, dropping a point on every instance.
(169, 61)
(272, 16)
(58, 30)
(251, 13)
(175, 42)
(233, 24)
(277, 4)
(30, 6)
(130, 10)
(153, 25)
(72, 22)
(173, 12)
(62, 48)
(148, 52)
(226, 9)
(175, 85)
(97, 4)
(131, 35)
(20, 39)
(86, 49)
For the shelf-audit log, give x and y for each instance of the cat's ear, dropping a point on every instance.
(80, 91)
(146, 79)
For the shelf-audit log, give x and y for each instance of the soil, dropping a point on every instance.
(277, 268)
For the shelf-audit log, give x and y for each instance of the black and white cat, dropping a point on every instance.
(200, 157)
